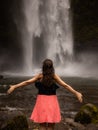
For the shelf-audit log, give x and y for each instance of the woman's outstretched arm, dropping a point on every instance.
(68, 87)
(24, 83)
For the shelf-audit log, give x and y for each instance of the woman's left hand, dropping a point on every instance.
(79, 96)
(11, 89)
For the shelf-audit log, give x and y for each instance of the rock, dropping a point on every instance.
(74, 125)
(92, 127)
(87, 114)
(1, 76)
(13, 120)
(62, 126)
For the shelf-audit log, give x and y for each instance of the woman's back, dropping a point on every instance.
(46, 90)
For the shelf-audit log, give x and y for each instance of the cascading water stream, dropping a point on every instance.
(31, 29)
(47, 32)
(59, 36)
(39, 29)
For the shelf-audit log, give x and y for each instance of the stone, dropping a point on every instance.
(87, 114)
(13, 120)
(92, 127)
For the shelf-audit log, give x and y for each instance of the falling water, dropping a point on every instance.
(59, 32)
(47, 32)
(31, 28)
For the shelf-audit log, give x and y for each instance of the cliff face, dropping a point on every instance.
(85, 24)
(10, 37)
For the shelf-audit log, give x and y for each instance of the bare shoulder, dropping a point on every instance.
(35, 78)
(40, 75)
(56, 76)
(58, 79)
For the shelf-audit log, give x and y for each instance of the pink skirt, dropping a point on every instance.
(46, 109)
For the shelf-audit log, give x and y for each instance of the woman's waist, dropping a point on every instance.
(46, 96)
(46, 93)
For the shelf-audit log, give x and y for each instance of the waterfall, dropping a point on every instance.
(47, 32)
(59, 32)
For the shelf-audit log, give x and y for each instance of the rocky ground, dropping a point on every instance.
(65, 124)
(23, 100)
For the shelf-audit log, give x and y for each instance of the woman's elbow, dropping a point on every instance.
(26, 83)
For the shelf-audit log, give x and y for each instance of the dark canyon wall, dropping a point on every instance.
(10, 37)
(85, 24)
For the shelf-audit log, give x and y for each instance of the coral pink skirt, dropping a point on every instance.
(46, 109)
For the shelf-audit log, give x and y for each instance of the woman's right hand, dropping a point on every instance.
(11, 89)
(79, 96)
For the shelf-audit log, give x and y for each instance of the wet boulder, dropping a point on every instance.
(87, 114)
(1, 76)
(13, 120)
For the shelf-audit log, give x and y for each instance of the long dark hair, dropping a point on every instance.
(48, 72)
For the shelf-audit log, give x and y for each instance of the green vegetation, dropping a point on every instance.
(87, 114)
